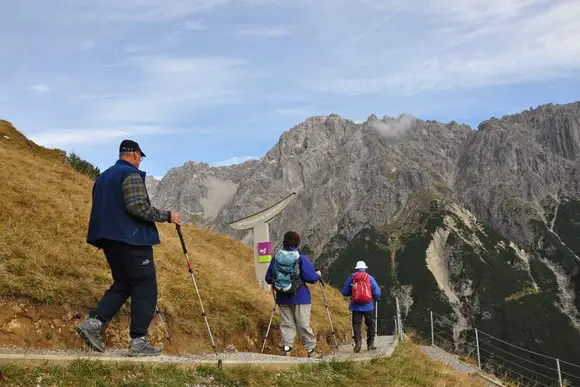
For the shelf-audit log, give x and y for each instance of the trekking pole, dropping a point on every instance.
(376, 317)
(163, 324)
(328, 313)
(352, 328)
(270, 323)
(377, 314)
(178, 227)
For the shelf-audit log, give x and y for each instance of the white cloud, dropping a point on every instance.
(87, 45)
(292, 111)
(167, 66)
(144, 10)
(394, 127)
(180, 62)
(40, 88)
(263, 31)
(171, 86)
(367, 31)
(235, 160)
(192, 25)
(62, 138)
(154, 11)
(476, 43)
(469, 11)
(131, 48)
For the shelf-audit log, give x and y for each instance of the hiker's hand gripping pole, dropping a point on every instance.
(178, 228)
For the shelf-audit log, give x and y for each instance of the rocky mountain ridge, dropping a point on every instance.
(510, 191)
(323, 158)
(524, 162)
(362, 173)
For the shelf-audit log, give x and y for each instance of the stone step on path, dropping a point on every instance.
(386, 345)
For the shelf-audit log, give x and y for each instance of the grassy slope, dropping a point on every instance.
(408, 366)
(44, 258)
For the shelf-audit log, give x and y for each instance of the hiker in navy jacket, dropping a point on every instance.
(362, 310)
(295, 309)
(122, 224)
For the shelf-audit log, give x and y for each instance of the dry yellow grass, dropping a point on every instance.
(45, 206)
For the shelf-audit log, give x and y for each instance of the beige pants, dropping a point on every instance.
(296, 318)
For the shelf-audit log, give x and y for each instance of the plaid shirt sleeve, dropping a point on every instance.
(137, 200)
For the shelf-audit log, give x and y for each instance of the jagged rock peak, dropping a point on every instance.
(372, 118)
(555, 127)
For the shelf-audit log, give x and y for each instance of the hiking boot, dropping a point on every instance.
(90, 331)
(314, 354)
(142, 347)
(371, 347)
(357, 348)
(286, 350)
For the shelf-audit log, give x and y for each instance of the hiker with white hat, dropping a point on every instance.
(363, 290)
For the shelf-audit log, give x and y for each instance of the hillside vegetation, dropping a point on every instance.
(49, 275)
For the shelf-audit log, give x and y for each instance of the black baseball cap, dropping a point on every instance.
(130, 146)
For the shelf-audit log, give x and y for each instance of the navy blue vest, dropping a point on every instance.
(109, 218)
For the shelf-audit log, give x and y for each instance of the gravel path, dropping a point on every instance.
(385, 344)
(385, 347)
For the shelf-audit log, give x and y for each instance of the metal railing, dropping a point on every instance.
(498, 357)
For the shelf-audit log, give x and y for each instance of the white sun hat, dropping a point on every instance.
(361, 265)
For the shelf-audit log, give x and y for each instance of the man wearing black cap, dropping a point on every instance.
(122, 223)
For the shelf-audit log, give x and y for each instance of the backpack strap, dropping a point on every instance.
(274, 273)
(300, 280)
(297, 271)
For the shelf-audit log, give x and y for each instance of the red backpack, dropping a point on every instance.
(361, 288)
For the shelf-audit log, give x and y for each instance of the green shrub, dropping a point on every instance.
(83, 166)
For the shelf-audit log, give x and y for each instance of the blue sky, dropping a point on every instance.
(219, 80)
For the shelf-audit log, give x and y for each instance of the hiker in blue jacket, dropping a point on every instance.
(294, 306)
(122, 224)
(360, 310)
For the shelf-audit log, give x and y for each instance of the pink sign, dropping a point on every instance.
(264, 252)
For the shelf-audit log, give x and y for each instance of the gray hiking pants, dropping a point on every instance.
(296, 318)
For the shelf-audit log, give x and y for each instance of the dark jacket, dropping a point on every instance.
(110, 219)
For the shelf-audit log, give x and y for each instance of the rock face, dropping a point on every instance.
(347, 175)
(350, 175)
(198, 190)
(509, 167)
(151, 183)
(375, 191)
